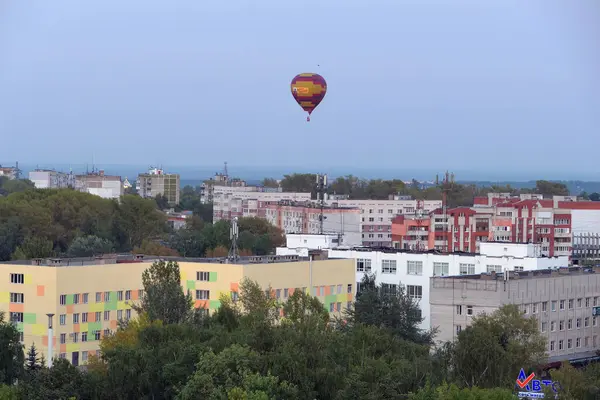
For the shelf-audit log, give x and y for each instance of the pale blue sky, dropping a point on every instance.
(493, 85)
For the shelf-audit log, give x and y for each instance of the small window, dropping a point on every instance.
(128, 295)
(63, 338)
(459, 310)
(469, 310)
(98, 297)
(75, 318)
(63, 299)
(120, 295)
(84, 336)
(84, 317)
(349, 288)
(202, 294)
(18, 298)
(107, 315)
(62, 319)
(203, 276)
(127, 315)
(76, 298)
(17, 278)
(85, 298)
(106, 297)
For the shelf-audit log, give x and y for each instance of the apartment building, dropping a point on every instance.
(524, 219)
(305, 218)
(155, 182)
(100, 184)
(87, 297)
(412, 269)
(229, 203)
(565, 302)
(377, 216)
(50, 179)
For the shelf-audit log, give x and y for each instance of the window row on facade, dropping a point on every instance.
(579, 343)
(101, 297)
(83, 317)
(569, 324)
(76, 337)
(567, 304)
(416, 267)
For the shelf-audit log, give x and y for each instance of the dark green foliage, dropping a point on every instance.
(12, 358)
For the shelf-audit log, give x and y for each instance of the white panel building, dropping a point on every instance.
(48, 179)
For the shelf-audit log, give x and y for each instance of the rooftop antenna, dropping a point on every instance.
(17, 171)
(446, 185)
(225, 172)
(233, 235)
(321, 186)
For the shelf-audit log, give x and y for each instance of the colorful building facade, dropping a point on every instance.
(89, 297)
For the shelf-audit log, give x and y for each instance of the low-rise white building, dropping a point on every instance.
(49, 179)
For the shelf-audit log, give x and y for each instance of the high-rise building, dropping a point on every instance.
(155, 182)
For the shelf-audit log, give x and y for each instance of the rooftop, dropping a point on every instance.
(140, 258)
(392, 250)
(534, 274)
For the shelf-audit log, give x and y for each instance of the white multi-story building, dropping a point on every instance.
(48, 179)
(155, 182)
(105, 186)
(377, 215)
(413, 269)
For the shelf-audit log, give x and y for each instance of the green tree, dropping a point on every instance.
(389, 307)
(453, 392)
(270, 183)
(12, 358)
(495, 347)
(33, 361)
(161, 202)
(138, 219)
(305, 183)
(10, 237)
(163, 297)
(90, 245)
(34, 247)
(548, 188)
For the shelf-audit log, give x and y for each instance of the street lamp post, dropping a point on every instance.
(50, 340)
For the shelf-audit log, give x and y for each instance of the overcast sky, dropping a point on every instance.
(494, 85)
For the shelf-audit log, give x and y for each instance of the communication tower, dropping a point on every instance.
(321, 181)
(233, 235)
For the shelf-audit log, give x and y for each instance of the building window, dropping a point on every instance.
(331, 307)
(562, 305)
(570, 324)
(579, 303)
(469, 310)
(63, 338)
(106, 297)
(578, 323)
(84, 317)
(63, 299)
(278, 293)
(98, 316)
(202, 294)
(544, 306)
(561, 325)
(560, 344)
(84, 336)
(98, 297)
(459, 310)
(458, 329)
(107, 315)
(586, 341)
(76, 298)
(553, 326)
(363, 265)
(84, 356)
(75, 318)
(106, 332)
(120, 295)
(85, 298)
(17, 298)
(467, 269)
(552, 345)
(544, 326)
(440, 269)
(202, 276)
(119, 315)
(349, 288)
(534, 308)
(554, 305)
(75, 337)
(415, 292)
(519, 268)
(16, 317)
(17, 278)
(62, 319)
(587, 302)
(388, 266)
(128, 295)
(127, 315)
(569, 343)
(586, 322)
(578, 342)
(414, 267)
(493, 268)
(62, 355)
(96, 335)
(571, 303)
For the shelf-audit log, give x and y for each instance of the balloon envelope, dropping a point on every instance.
(309, 90)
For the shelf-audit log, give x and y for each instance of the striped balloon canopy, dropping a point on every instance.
(309, 90)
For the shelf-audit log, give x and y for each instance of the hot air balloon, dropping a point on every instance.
(309, 90)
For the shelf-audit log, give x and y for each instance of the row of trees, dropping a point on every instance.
(259, 348)
(381, 189)
(63, 222)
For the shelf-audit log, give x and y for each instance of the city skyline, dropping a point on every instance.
(499, 87)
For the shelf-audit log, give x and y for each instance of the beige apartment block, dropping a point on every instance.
(565, 302)
(89, 296)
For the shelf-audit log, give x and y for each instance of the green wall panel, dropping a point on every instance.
(212, 276)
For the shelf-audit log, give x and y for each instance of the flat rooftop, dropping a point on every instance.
(393, 250)
(139, 258)
(534, 274)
